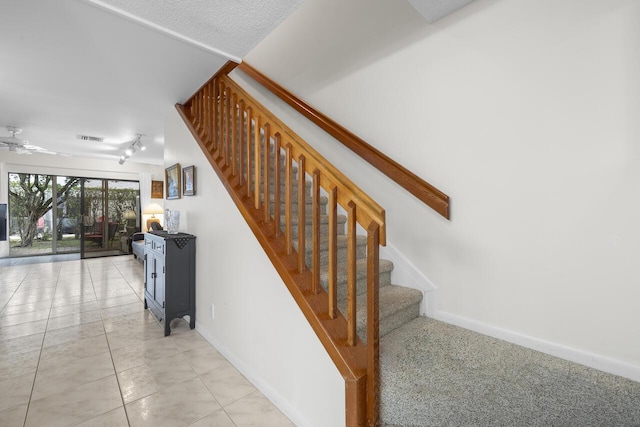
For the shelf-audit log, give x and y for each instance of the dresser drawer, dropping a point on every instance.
(155, 244)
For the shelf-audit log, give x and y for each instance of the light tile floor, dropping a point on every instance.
(77, 348)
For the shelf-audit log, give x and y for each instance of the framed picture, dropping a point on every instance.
(172, 181)
(157, 190)
(189, 181)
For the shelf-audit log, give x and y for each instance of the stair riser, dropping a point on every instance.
(283, 189)
(389, 323)
(361, 284)
(294, 206)
(361, 253)
(324, 228)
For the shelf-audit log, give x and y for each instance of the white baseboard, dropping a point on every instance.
(602, 363)
(282, 404)
(406, 274)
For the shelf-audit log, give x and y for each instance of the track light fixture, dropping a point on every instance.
(135, 145)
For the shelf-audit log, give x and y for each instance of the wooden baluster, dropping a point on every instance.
(241, 143)
(201, 112)
(249, 151)
(266, 167)
(194, 104)
(223, 125)
(214, 123)
(257, 161)
(211, 102)
(196, 111)
(234, 133)
(301, 212)
(223, 149)
(225, 106)
(351, 274)
(288, 202)
(233, 130)
(227, 143)
(373, 322)
(211, 115)
(315, 254)
(333, 252)
(205, 112)
(276, 184)
(220, 103)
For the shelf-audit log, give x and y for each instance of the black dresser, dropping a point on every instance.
(170, 276)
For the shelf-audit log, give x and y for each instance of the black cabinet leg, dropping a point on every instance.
(167, 326)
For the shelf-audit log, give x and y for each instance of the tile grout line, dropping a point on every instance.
(44, 336)
(115, 372)
(6, 304)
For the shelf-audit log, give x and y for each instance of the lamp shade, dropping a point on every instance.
(153, 209)
(129, 214)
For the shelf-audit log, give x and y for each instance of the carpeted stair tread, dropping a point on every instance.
(398, 305)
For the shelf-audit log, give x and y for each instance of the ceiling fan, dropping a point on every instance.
(20, 146)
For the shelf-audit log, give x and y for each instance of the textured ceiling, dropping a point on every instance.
(229, 27)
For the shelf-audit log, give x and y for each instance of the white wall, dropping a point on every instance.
(257, 324)
(526, 114)
(70, 166)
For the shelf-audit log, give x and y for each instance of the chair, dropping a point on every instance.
(113, 229)
(136, 246)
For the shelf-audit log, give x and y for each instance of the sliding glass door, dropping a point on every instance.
(43, 212)
(109, 206)
(51, 214)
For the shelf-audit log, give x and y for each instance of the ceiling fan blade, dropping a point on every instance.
(20, 150)
(37, 149)
(21, 146)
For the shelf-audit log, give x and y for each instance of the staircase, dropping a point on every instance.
(321, 232)
(398, 305)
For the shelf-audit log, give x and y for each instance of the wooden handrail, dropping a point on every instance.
(421, 189)
(256, 157)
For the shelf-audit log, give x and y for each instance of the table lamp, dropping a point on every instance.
(153, 209)
(130, 217)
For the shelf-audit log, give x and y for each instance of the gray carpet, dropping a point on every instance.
(435, 374)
